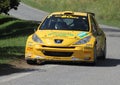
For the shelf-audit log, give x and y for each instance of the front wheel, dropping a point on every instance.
(31, 62)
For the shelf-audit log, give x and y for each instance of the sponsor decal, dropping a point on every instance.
(29, 48)
(82, 34)
(60, 34)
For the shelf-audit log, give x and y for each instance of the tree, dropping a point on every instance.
(14, 4)
(6, 5)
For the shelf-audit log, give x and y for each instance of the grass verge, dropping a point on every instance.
(107, 11)
(13, 35)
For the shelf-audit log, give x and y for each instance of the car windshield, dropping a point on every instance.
(65, 22)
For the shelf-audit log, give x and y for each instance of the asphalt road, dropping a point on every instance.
(106, 72)
(28, 13)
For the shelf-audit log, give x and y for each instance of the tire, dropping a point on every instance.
(40, 62)
(103, 52)
(31, 62)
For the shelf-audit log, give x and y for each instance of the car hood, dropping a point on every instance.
(60, 38)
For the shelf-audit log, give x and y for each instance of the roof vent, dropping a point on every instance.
(68, 12)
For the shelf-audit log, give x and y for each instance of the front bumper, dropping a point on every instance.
(50, 53)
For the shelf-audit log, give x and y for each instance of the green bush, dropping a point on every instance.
(13, 35)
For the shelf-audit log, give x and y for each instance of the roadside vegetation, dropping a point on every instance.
(6, 5)
(107, 11)
(13, 35)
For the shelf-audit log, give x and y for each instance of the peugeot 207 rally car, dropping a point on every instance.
(67, 36)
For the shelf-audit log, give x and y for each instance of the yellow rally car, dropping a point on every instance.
(67, 36)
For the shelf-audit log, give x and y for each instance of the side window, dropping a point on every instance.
(94, 25)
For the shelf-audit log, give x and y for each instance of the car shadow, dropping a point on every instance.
(109, 62)
(7, 69)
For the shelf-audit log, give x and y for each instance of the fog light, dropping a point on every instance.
(39, 57)
(73, 58)
(28, 55)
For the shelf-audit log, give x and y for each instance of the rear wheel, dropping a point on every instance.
(103, 52)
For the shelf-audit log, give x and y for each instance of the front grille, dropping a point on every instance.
(58, 54)
(58, 47)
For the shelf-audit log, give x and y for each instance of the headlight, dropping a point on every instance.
(83, 41)
(36, 38)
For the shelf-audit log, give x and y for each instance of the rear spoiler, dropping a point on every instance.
(93, 14)
(70, 12)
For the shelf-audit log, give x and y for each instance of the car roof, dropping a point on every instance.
(72, 13)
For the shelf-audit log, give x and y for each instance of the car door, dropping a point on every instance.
(97, 34)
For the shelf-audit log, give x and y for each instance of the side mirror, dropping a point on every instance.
(35, 30)
(37, 23)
